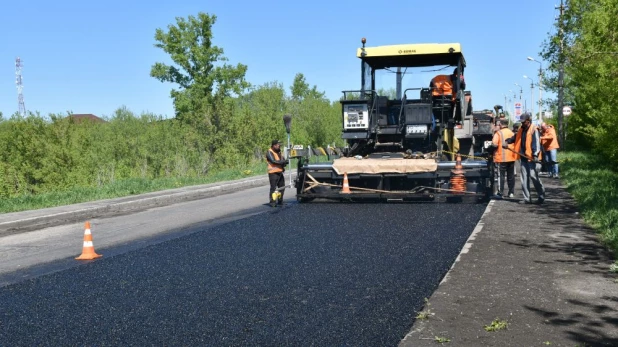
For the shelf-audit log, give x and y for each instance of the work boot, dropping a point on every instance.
(273, 204)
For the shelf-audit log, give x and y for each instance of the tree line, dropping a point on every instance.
(585, 45)
(221, 121)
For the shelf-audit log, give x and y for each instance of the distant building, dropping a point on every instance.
(80, 117)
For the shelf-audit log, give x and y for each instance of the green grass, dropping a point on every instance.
(594, 184)
(123, 188)
(132, 186)
(496, 324)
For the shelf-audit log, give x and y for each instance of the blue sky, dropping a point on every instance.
(93, 57)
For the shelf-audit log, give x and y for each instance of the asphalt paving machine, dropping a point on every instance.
(483, 127)
(406, 147)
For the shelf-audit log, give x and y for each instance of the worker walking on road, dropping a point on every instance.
(550, 147)
(504, 158)
(276, 168)
(528, 146)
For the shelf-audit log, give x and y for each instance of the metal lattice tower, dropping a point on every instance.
(20, 87)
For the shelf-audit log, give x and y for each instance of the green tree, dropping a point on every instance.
(391, 93)
(300, 89)
(591, 68)
(199, 68)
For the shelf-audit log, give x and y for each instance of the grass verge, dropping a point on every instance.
(132, 186)
(123, 188)
(594, 184)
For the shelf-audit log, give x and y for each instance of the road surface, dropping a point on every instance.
(305, 274)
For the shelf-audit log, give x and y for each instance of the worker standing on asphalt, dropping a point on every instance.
(504, 158)
(517, 161)
(528, 146)
(550, 146)
(276, 168)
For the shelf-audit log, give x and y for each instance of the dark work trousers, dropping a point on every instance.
(506, 172)
(530, 171)
(277, 180)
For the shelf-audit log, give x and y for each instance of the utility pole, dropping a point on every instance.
(532, 100)
(514, 101)
(18, 81)
(540, 87)
(561, 76)
(506, 106)
(532, 95)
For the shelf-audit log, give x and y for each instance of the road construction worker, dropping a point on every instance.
(446, 84)
(504, 158)
(276, 168)
(549, 141)
(517, 162)
(528, 147)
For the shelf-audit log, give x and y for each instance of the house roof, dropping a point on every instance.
(79, 117)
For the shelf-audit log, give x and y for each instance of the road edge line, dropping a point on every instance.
(468, 245)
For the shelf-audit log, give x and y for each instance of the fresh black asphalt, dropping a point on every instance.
(305, 274)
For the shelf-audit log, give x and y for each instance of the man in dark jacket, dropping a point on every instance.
(276, 168)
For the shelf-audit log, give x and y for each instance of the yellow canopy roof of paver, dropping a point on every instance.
(412, 55)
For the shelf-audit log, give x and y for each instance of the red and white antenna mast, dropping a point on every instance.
(20, 87)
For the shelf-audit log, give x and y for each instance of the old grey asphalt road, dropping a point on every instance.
(30, 253)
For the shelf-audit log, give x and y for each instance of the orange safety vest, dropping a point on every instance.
(502, 155)
(442, 85)
(272, 167)
(549, 139)
(529, 136)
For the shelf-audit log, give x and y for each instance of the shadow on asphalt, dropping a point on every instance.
(592, 331)
(580, 245)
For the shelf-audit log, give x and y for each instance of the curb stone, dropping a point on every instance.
(18, 222)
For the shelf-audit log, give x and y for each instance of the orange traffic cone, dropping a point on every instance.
(346, 184)
(88, 252)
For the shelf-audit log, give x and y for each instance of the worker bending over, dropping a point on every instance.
(504, 158)
(550, 144)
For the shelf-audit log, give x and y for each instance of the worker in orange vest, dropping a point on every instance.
(276, 168)
(549, 140)
(516, 126)
(528, 147)
(446, 84)
(504, 158)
